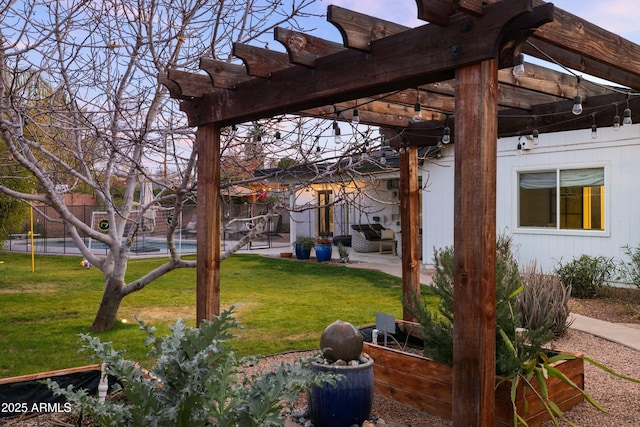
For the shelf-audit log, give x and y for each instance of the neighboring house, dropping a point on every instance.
(567, 196)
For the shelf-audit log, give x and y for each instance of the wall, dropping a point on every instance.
(617, 151)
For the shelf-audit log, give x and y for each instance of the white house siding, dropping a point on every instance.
(355, 203)
(617, 151)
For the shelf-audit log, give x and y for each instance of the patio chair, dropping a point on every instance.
(372, 238)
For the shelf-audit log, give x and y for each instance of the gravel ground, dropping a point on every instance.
(621, 398)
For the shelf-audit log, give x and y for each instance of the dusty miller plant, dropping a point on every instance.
(197, 380)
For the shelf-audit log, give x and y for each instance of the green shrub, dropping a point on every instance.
(544, 301)
(437, 328)
(520, 356)
(631, 269)
(196, 381)
(586, 275)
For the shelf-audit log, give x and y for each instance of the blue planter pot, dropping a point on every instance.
(323, 252)
(302, 253)
(346, 404)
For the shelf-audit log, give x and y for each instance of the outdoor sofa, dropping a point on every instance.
(372, 238)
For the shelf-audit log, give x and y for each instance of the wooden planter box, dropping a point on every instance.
(427, 385)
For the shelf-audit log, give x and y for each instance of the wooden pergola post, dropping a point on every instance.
(409, 223)
(208, 224)
(476, 123)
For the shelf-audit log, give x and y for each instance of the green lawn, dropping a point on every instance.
(282, 304)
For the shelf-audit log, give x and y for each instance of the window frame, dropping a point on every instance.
(606, 232)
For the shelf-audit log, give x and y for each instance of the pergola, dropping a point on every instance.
(458, 67)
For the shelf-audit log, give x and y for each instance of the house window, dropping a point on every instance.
(564, 199)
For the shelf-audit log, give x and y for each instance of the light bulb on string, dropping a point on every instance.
(577, 105)
(417, 112)
(577, 100)
(234, 131)
(278, 137)
(594, 127)
(616, 120)
(383, 159)
(337, 138)
(627, 114)
(518, 68)
(355, 119)
(446, 135)
(536, 136)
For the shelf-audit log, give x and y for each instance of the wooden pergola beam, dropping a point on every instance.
(358, 30)
(430, 53)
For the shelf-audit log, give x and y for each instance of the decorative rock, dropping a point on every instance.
(341, 340)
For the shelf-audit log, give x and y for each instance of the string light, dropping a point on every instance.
(446, 135)
(577, 101)
(355, 119)
(383, 158)
(536, 136)
(417, 108)
(278, 137)
(594, 128)
(417, 112)
(337, 138)
(616, 120)
(627, 114)
(518, 68)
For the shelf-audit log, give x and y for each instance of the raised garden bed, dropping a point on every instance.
(424, 384)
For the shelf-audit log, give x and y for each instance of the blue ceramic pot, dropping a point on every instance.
(323, 252)
(346, 404)
(302, 253)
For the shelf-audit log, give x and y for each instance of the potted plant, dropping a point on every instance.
(349, 401)
(303, 246)
(323, 249)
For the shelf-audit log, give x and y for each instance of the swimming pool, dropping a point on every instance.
(66, 246)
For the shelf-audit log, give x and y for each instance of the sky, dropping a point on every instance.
(617, 16)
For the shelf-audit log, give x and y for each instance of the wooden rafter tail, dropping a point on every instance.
(261, 62)
(359, 30)
(172, 87)
(577, 35)
(520, 29)
(304, 49)
(224, 74)
(191, 85)
(436, 11)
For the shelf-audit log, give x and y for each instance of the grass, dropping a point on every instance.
(282, 304)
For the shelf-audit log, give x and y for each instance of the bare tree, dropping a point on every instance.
(105, 121)
(81, 109)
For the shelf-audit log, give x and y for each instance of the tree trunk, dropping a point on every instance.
(107, 312)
